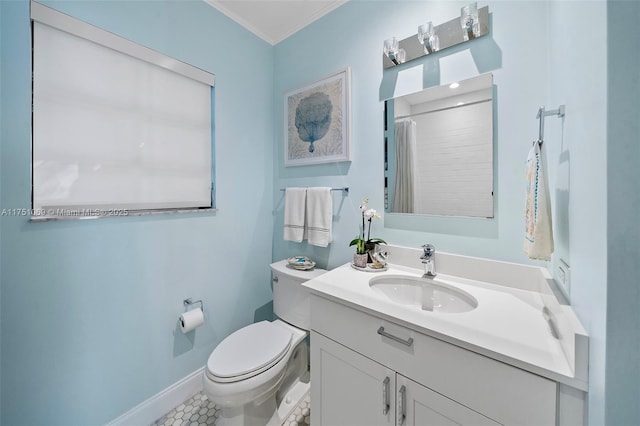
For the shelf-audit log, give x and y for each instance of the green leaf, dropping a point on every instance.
(355, 241)
(359, 243)
(377, 240)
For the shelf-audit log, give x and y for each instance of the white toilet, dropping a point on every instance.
(259, 374)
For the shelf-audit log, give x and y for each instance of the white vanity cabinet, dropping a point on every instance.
(420, 406)
(430, 381)
(348, 388)
(351, 389)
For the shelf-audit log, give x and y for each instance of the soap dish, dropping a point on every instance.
(301, 263)
(370, 268)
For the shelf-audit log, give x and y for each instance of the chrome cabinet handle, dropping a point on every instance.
(275, 279)
(385, 396)
(407, 342)
(402, 406)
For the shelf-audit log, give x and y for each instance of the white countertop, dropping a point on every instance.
(507, 325)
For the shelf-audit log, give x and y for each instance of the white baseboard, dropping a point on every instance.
(161, 403)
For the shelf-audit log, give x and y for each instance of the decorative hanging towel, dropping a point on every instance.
(538, 239)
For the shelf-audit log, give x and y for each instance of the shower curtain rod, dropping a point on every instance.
(441, 109)
(542, 114)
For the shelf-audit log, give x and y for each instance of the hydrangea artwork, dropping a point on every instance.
(316, 120)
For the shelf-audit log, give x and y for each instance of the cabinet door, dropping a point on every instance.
(348, 388)
(420, 406)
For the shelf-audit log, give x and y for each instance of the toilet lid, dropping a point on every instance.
(255, 347)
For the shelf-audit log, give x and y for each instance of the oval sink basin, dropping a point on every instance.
(423, 293)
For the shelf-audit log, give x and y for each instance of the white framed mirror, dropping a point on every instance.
(439, 150)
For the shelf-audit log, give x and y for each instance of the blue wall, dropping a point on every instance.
(102, 296)
(89, 308)
(1, 139)
(352, 36)
(623, 184)
(555, 62)
(578, 75)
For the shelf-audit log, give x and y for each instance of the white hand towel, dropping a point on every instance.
(294, 214)
(538, 240)
(319, 216)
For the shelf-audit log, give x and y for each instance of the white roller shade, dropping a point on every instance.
(114, 131)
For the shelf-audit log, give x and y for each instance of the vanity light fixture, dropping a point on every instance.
(428, 38)
(469, 21)
(469, 25)
(393, 51)
(454, 85)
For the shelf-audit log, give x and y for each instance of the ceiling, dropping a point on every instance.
(273, 21)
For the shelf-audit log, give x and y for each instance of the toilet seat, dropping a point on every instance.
(248, 352)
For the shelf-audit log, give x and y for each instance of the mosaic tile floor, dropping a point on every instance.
(199, 411)
(301, 416)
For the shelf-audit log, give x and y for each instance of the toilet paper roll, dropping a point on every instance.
(191, 319)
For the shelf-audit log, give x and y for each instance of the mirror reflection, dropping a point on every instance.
(439, 150)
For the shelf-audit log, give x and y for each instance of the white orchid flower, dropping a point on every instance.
(367, 216)
(363, 206)
(371, 213)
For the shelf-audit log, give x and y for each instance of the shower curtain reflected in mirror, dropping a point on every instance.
(405, 141)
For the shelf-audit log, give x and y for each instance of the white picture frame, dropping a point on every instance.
(317, 121)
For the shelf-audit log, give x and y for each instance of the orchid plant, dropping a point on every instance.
(361, 243)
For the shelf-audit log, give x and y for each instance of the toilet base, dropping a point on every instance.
(269, 413)
(248, 414)
(290, 401)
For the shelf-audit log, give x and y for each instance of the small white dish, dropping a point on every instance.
(370, 268)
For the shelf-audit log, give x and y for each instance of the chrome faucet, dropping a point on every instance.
(429, 261)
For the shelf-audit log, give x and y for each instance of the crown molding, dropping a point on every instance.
(274, 39)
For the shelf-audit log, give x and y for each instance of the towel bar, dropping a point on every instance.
(345, 189)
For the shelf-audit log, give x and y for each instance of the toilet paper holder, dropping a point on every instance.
(189, 302)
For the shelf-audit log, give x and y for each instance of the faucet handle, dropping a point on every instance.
(429, 251)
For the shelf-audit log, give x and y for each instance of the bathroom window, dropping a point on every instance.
(117, 127)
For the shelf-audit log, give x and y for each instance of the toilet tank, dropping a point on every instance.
(291, 301)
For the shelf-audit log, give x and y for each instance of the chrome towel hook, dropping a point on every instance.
(542, 114)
